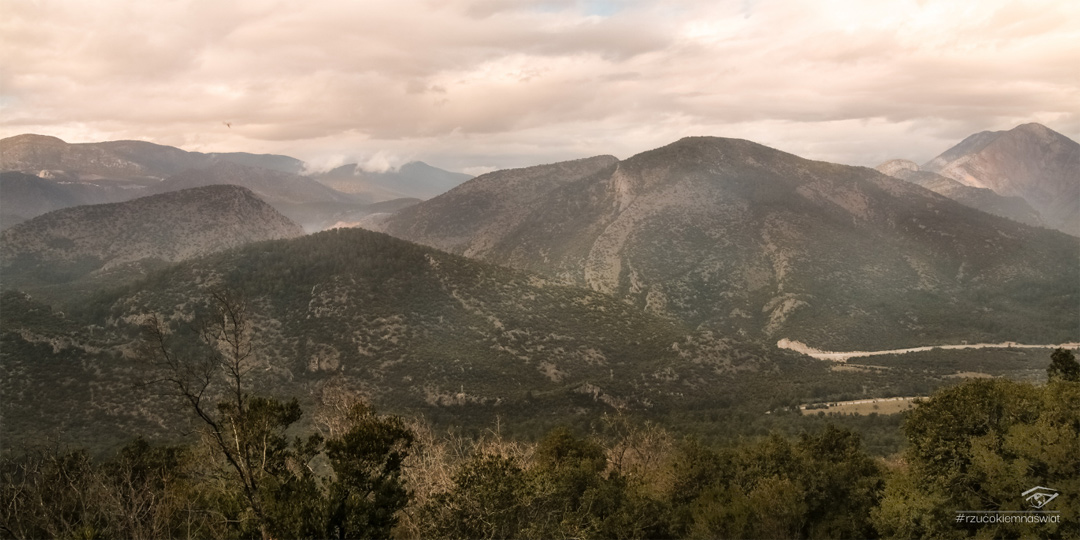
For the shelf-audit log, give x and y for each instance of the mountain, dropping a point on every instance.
(23, 196)
(1029, 161)
(412, 180)
(1014, 208)
(299, 198)
(414, 329)
(120, 159)
(737, 237)
(67, 244)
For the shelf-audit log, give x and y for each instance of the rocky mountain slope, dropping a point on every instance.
(1029, 161)
(414, 329)
(69, 243)
(1014, 208)
(748, 240)
(412, 180)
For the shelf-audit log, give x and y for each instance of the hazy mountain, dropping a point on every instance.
(23, 196)
(1014, 208)
(274, 187)
(412, 180)
(67, 244)
(115, 171)
(357, 215)
(752, 241)
(120, 159)
(1029, 161)
(95, 173)
(415, 329)
(299, 198)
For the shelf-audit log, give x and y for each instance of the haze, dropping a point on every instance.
(476, 85)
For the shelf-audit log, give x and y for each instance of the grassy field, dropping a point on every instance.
(866, 406)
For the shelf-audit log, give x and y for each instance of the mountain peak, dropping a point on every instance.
(1039, 133)
(1030, 161)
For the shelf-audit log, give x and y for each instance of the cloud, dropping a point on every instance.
(498, 83)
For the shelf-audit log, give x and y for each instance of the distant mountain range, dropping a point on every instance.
(93, 173)
(121, 159)
(751, 241)
(416, 180)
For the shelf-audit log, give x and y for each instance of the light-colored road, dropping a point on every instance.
(800, 347)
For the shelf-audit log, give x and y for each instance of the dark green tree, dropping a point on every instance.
(488, 500)
(1063, 366)
(822, 486)
(977, 447)
(367, 491)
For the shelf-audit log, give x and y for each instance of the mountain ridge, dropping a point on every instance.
(750, 240)
(33, 153)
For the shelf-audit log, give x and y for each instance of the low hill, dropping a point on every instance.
(70, 243)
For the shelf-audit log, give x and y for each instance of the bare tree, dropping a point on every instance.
(245, 431)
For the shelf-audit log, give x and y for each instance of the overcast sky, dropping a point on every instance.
(475, 85)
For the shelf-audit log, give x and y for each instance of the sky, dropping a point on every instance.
(478, 85)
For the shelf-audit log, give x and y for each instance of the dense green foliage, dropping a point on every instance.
(974, 447)
(977, 447)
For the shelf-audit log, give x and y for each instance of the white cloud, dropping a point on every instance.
(498, 83)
